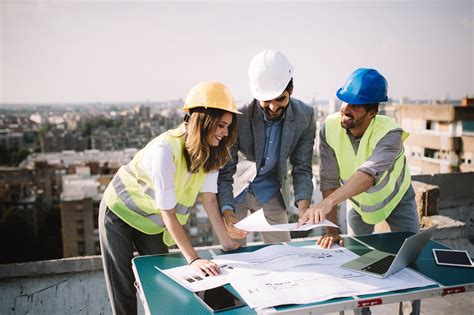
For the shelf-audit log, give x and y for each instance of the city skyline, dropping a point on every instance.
(87, 52)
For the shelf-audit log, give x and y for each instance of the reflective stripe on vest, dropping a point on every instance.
(127, 200)
(131, 194)
(376, 203)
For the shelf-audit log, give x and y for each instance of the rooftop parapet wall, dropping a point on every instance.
(51, 267)
(455, 217)
(456, 189)
(63, 286)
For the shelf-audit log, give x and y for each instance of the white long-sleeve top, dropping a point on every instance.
(158, 163)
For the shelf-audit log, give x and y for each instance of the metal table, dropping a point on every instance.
(161, 295)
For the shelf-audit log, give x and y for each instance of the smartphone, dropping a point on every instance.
(218, 299)
(451, 257)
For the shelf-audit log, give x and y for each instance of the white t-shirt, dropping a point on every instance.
(158, 163)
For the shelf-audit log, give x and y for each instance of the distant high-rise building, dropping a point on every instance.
(144, 112)
(26, 233)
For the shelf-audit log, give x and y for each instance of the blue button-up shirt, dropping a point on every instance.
(266, 184)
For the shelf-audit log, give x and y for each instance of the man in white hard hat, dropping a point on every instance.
(274, 130)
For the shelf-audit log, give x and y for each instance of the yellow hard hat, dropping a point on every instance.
(210, 94)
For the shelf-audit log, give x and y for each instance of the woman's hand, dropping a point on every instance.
(232, 231)
(205, 267)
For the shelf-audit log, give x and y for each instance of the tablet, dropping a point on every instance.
(218, 299)
(451, 257)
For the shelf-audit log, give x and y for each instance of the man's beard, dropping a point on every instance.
(350, 125)
(274, 115)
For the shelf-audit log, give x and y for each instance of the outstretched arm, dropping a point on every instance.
(357, 183)
(200, 265)
(224, 231)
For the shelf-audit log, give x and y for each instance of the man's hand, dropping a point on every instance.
(317, 213)
(303, 205)
(301, 212)
(231, 245)
(232, 231)
(332, 237)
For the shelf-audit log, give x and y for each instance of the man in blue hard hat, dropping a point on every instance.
(363, 161)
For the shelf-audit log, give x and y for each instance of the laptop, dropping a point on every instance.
(381, 264)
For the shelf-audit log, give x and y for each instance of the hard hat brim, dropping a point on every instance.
(236, 111)
(350, 100)
(266, 96)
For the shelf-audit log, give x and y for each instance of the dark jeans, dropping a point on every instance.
(118, 241)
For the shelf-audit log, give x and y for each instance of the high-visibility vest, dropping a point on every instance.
(376, 203)
(131, 194)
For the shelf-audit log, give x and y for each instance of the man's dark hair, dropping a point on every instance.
(372, 107)
(289, 87)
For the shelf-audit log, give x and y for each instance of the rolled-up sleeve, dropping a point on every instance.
(210, 182)
(384, 155)
(158, 162)
(328, 168)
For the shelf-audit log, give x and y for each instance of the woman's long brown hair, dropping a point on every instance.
(197, 150)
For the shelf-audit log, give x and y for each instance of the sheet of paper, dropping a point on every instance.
(188, 278)
(285, 256)
(308, 284)
(280, 257)
(284, 274)
(256, 222)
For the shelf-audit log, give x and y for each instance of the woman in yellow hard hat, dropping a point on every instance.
(149, 199)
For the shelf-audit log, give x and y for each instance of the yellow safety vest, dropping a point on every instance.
(131, 194)
(376, 203)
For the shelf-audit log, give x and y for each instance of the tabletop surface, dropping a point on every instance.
(163, 295)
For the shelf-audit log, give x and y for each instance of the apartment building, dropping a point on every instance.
(79, 205)
(441, 136)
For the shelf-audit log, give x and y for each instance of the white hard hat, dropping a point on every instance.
(269, 74)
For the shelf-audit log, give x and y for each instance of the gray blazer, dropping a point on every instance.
(297, 141)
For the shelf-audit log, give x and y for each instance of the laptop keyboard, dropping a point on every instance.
(381, 266)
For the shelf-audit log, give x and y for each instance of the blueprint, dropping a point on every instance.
(268, 258)
(284, 274)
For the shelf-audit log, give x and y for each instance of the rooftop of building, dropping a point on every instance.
(80, 186)
(436, 112)
(71, 157)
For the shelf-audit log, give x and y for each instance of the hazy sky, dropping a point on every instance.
(101, 51)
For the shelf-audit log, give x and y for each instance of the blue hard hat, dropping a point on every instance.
(364, 86)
